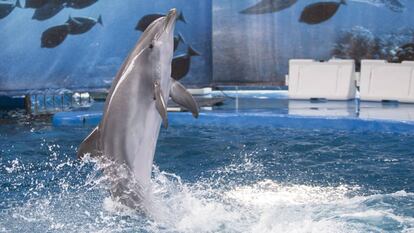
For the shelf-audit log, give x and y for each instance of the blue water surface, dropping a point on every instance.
(214, 178)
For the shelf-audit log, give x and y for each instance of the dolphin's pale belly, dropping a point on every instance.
(130, 132)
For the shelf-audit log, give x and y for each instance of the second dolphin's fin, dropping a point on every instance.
(160, 103)
(182, 97)
(90, 144)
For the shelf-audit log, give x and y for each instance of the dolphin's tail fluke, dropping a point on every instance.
(100, 20)
(343, 2)
(192, 52)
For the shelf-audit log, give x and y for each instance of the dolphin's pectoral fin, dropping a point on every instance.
(160, 103)
(90, 145)
(182, 97)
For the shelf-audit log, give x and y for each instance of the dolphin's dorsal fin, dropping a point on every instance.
(90, 145)
(182, 97)
(160, 103)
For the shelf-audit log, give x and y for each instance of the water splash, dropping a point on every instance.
(177, 206)
(61, 194)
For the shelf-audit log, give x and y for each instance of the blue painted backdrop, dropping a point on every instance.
(91, 60)
(246, 49)
(256, 48)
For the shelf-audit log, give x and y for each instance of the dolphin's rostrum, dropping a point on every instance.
(134, 109)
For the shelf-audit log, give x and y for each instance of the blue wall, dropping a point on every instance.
(236, 48)
(91, 60)
(255, 48)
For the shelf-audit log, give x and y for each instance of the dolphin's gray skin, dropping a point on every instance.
(268, 6)
(134, 109)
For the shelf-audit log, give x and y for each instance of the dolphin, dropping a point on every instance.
(133, 112)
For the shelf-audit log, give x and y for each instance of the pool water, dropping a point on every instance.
(214, 178)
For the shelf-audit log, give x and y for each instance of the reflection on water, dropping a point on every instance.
(228, 179)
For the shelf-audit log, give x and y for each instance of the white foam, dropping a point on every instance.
(208, 206)
(267, 206)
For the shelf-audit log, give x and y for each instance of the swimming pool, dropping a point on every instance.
(219, 175)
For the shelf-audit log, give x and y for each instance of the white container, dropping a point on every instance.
(331, 80)
(381, 81)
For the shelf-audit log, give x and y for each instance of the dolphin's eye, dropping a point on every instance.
(151, 46)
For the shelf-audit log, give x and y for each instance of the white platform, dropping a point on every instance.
(331, 80)
(381, 81)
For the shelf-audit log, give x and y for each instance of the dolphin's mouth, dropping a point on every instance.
(170, 19)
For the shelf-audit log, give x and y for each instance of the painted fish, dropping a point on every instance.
(146, 20)
(54, 36)
(80, 25)
(319, 12)
(80, 4)
(181, 64)
(49, 10)
(177, 40)
(7, 7)
(35, 3)
(394, 5)
(268, 6)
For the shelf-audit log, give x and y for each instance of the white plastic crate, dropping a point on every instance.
(381, 81)
(331, 80)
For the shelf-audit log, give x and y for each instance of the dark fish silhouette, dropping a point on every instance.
(268, 6)
(177, 39)
(7, 7)
(146, 20)
(52, 8)
(181, 64)
(80, 4)
(319, 12)
(80, 25)
(54, 36)
(35, 3)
